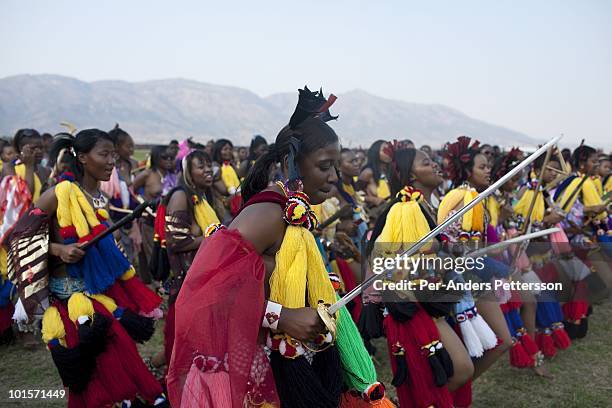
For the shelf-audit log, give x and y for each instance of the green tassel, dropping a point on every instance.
(358, 368)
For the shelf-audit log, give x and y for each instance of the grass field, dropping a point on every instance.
(582, 373)
(140, 154)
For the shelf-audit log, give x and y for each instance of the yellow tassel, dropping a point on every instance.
(62, 193)
(204, 214)
(300, 270)
(20, 171)
(471, 221)
(493, 208)
(103, 213)
(86, 208)
(229, 177)
(608, 187)
(79, 305)
(590, 197)
(383, 190)
(3, 263)
(53, 326)
(129, 274)
(319, 286)
(568, 192)
(405, 225)
(108, 303)
(598, 185)
(522, 207)
(450, 202)
(79, 221)
(74, 209)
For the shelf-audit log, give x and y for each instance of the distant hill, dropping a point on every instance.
(160, 110)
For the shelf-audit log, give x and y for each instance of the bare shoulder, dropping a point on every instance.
(366, 174)
(262, 224)
(142, 176)
(178, 201)
(48, 201)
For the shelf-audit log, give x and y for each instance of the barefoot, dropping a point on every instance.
(29, 341)
(541, 371)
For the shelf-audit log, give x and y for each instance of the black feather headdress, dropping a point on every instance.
(312, 104)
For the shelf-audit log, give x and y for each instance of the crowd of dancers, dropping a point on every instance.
(237, 253)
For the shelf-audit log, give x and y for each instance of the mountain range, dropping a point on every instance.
(160, 110)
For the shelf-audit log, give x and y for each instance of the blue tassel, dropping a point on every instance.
(517, 321)
(97, 277)
(101, 266)
(548, 311)
(116, 263)
(5, 293)
(511, 321)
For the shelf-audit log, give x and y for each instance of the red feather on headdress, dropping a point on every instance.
(508, 162)
(390, 149)
(459, 154)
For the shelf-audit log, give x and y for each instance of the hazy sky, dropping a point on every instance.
(539, 67)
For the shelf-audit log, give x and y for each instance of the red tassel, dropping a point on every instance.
(546, 344)
(96, 390)
(6, 316)
(548, 273)
(349, 284)
(575, 310)
(519, 357)
(97, 230)
(68, 232)
(124, 361)
(560, 337)
(419, 388)
(159, 227)
(116, 292)
(144, 297)
(529, 344)
(235, 204)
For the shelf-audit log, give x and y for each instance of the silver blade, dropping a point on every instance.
(434, 232)
(515, 240)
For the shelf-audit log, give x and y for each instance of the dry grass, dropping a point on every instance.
(582, 376)
(582, 373)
